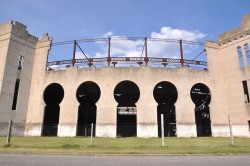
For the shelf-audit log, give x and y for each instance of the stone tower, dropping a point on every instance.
(17, 51)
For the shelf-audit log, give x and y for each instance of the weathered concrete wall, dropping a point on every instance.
(14, 42)
(234, 75)
(5, 30)
(36, 104)
(107, 78)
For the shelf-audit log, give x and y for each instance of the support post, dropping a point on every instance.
(91, 135)
(146, 51)
(181, 51)
(74, 54)
(85, 131)
(162, 131)
(109, 59)
(9, 133)
(230, 130)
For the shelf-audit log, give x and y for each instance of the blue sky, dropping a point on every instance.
(78, 19)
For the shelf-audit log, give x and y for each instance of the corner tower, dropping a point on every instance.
(17, 48)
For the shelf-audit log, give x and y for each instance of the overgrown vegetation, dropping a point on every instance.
(81, 145)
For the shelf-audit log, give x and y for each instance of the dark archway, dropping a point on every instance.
(87, 94)
(53, 96)
(201, 97)
(126, 94)
(165, 94)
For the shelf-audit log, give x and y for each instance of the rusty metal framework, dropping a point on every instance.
(146, 60)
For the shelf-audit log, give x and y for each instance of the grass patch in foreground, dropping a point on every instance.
(81, 145)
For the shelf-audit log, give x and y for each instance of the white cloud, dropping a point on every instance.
(108, 34)
(80, 55)
(127, 48)
(170, 33)
(120, 46)
(172, 49)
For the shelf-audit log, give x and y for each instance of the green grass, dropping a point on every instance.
(81, 145)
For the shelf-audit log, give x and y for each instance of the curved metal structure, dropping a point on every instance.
(159, 61)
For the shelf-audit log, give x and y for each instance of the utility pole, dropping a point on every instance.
(9, 133)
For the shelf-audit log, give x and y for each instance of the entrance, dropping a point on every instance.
(87, 94)
(201, 97)
(126, 94)
(53, 96)
(165, 94)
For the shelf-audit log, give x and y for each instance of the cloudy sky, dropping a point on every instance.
(193, 20)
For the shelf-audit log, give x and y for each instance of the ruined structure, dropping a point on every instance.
(125, 101)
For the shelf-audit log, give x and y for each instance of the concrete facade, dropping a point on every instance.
(223, 78)
(14, 42)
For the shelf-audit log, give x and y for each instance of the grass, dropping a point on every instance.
(81, 145)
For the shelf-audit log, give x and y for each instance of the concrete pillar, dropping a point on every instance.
(69, 105)
(106, 106)
(36, 103)
(185, 115)
(146, 105)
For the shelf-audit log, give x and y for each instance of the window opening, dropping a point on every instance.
(20, 63)
(241, 59)
(249, 125)
(201, 97)
(165, 94)
(246, 46)
(245, 89)
(53, 96)
(14, 103)
(87, 94)
(126, 94)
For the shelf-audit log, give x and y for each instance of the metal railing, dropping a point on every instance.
(113, 60)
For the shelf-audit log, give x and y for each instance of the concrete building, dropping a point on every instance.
(124, 101)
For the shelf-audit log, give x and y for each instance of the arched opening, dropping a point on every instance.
(53, 96)
(126, 94)
(201, 97)
(247, 52)
(165, 94)
(87, 94)
(240, 55)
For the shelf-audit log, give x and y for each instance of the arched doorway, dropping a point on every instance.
(87, 94)
(126, 94)
(201, 97)
(53, 96)
(165, 94)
